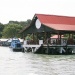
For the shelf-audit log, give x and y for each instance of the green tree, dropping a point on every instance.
(1, 29)
(22, 23)
(11, 30)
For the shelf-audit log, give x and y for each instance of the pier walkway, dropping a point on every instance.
(48, 48)
(31, 48)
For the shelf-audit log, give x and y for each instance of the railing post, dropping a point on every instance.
(40, 42)
(25, 42)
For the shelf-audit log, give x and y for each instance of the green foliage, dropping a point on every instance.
(11, 30)
(28, 37)
(22, 23)
(1, 29)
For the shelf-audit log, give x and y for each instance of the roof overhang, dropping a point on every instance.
(61, 27)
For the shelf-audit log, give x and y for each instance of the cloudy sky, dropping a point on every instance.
(21, 10)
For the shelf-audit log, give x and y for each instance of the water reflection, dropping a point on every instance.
(18, 63)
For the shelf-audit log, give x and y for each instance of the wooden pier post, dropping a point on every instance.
(47, 48)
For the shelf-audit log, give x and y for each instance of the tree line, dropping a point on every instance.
(12, 28)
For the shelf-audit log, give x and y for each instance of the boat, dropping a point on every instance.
(4, 42)
(16, 45)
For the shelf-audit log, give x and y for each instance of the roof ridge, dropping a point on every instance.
(56, 15)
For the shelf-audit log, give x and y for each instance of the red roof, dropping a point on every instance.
(56, 36)
(57, 22)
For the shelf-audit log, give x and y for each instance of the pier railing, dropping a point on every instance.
(50, 41)
(32, 42)
(48, 46)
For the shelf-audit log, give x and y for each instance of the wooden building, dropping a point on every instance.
(47, 25)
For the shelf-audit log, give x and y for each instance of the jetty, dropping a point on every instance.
(44, 28)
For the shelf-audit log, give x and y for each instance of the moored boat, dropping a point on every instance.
(16, 45)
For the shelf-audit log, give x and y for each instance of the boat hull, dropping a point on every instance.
(18, 49)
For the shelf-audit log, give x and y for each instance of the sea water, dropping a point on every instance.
(18, 63)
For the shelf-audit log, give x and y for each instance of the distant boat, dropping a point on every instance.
(16, 45)
(4, 42)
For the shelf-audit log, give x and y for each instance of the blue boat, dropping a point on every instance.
(16, 45)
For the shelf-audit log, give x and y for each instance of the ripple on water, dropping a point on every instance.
(18, 63)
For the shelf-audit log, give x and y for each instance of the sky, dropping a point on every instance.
(21, 10)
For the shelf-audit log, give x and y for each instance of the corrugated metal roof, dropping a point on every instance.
(54, 19)
(57, 22)
(61, 27)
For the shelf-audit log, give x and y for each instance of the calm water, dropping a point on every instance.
(18, 63)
